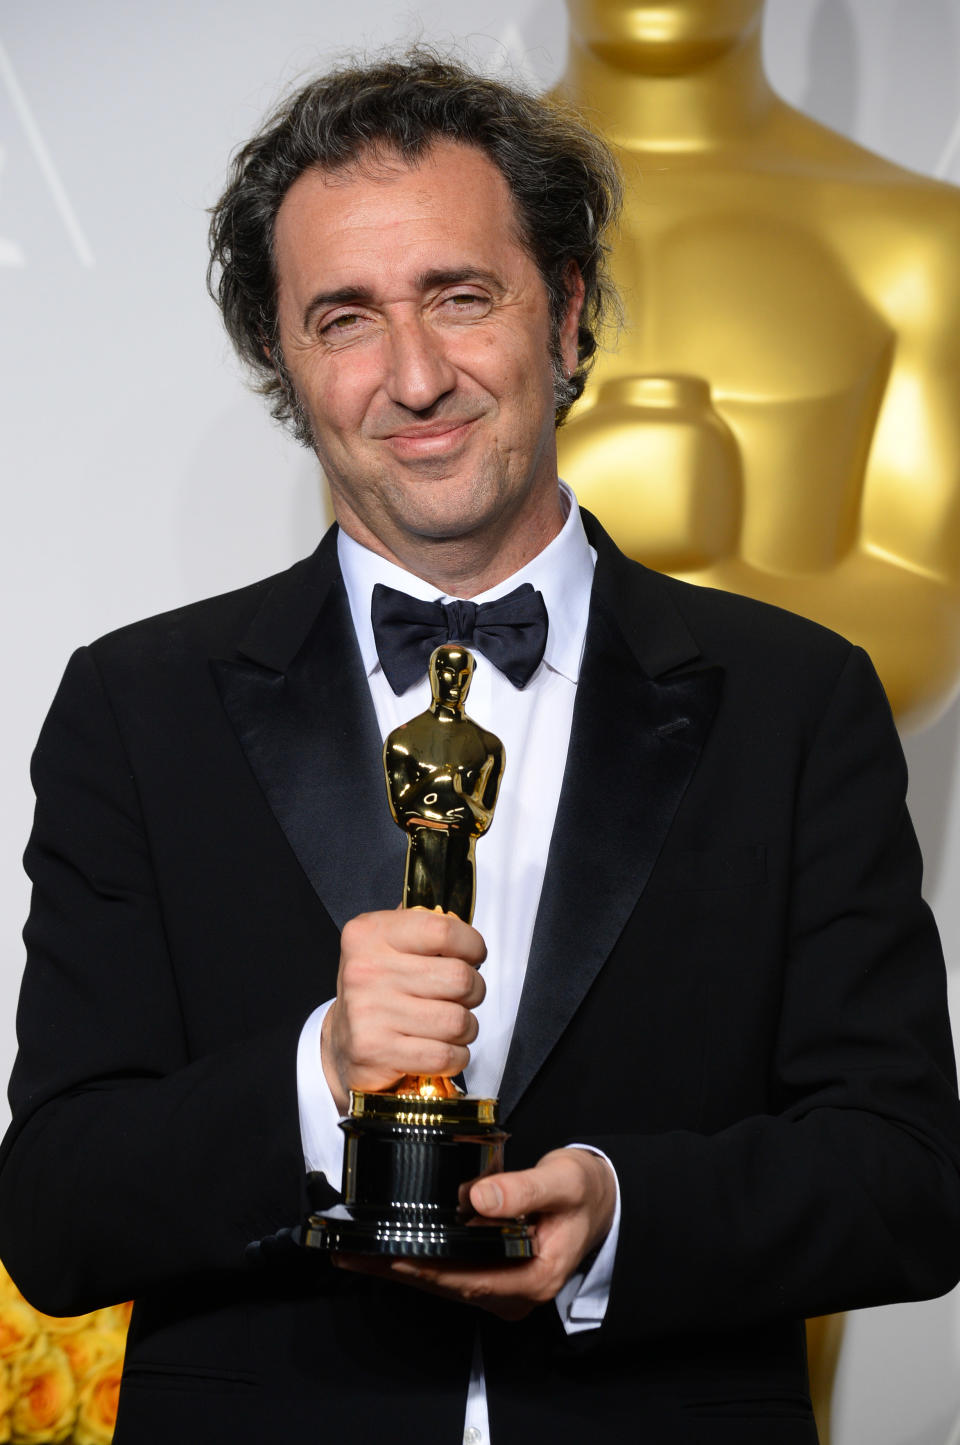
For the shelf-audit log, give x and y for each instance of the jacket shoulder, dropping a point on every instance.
(733, 623)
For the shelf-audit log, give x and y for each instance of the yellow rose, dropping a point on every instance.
(8, 1290)
(114, 1317)
(97, 1412)
(6, 1404)
(45, 1397)
(56, 1326)
(91, 1348)
(19, 1328)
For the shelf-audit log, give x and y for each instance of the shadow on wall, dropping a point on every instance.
(933, 757)
(832, 94)
(897, 1382)
(922, 91)
(919, 99)
(251, 502)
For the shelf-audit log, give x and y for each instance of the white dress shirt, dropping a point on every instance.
(534, 726)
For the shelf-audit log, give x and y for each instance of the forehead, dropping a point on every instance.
(383, 218)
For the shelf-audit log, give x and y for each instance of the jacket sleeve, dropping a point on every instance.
(127, 1162)
(847, 1192)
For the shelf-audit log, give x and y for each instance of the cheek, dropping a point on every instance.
(338, 401)
(513, 376)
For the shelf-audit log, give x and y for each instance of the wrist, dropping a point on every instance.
(603, 1194)
(608, 1198)
(335, 1084)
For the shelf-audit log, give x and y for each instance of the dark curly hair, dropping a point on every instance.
(565, 184)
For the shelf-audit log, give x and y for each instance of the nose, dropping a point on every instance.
(419, 372)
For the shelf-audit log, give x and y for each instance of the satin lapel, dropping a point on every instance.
(309, 731)
(634, 745)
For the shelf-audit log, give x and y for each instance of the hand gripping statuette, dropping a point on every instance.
(412, 1153)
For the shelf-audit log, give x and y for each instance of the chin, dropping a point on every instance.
(451, 509)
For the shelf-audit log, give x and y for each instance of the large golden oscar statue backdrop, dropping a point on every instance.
(780, 416)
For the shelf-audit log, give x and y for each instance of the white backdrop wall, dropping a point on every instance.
(137, 474)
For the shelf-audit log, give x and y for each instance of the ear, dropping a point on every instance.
(574, 287)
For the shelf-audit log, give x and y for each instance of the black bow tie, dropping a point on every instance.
(511, 632)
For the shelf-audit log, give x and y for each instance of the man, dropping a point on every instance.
(701, 977)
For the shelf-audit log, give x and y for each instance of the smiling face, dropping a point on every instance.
(415, 329)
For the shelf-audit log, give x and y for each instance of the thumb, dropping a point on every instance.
(556, 1183)
(505, 1195)
(487, 1196)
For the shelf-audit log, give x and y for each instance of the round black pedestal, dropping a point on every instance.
(407, 1169)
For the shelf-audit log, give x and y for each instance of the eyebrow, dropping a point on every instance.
(425, 281)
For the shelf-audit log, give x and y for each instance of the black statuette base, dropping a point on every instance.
(408, 1166)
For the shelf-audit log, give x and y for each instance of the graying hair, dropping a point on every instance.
(564, 181)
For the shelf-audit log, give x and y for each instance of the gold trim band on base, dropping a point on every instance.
(422, 1113)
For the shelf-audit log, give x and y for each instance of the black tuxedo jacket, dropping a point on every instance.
(734, 990)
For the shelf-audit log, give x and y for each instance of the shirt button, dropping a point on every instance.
(472, 1436)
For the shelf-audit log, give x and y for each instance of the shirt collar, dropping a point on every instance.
(562, 572)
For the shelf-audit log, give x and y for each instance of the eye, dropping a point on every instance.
(465, 302)
(345, 323)
(339, 322)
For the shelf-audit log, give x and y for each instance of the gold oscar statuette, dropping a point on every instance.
(412, 1153)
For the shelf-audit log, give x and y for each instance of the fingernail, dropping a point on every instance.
(487, 1198)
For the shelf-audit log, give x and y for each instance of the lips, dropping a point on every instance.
(429, 439)
(430, 428)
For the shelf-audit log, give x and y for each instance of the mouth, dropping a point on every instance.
(433, 439)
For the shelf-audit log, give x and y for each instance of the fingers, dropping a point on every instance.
(559, 1181)
(407, 986)
(510, 1291)
(569, 1195)
(428, 955)
(434, 1019)
(417, 930)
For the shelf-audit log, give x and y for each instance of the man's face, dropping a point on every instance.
(415, 330)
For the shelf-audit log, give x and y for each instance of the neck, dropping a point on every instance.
(444, 711)
(464, 566)
(662, 95)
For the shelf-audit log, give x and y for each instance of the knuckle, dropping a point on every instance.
(440, 1058)
(455, 1059)
(459, 1020)
(435, 930)
(353, 932)
(447, 1022)
(361, 974)
(348, 974)
(465, 980)
(446, 933)
(531, 1195)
